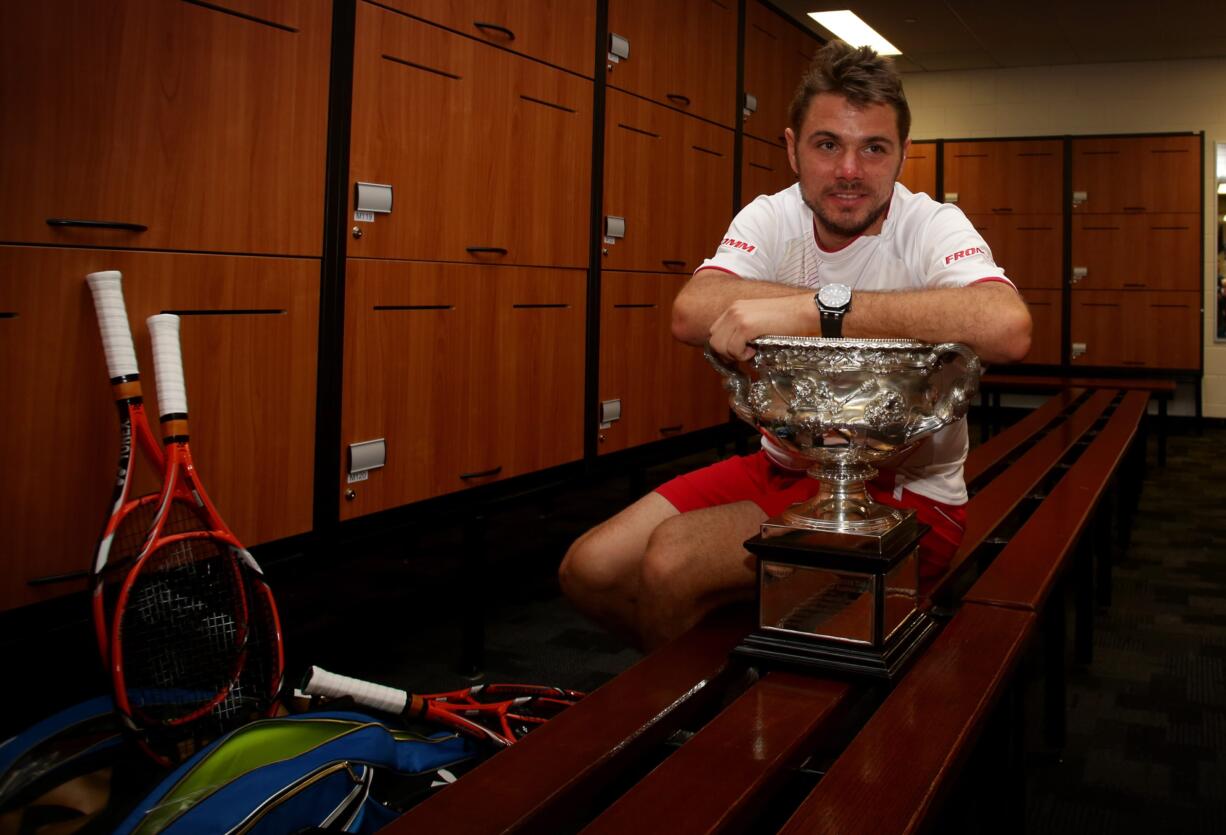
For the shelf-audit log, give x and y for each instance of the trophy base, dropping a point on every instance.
(885, 662)
(885, 535)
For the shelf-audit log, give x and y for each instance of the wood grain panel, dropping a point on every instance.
(777, 54)
(1006, 176)
(208, 127)
(670, 177)
(666, 387)
(464, 371)
(919, 169)
(559, 32)
(250, 384)
(483, 149)
(1136, 328)
(682, 54)
(1046, 308)
(1137, 174)
(1029, 247)
(764, 169)
(1138, 251)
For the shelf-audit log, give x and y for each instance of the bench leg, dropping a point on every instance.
(1083, 584)
(1054, 724)
(1162, 431)
(1104, 541)
(472, 567)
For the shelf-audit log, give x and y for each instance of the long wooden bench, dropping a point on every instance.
(992, 385)
(590, 765)
(899, 768)
(940, 708)
(543, 782)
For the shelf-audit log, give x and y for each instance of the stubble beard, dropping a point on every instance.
(839, 228)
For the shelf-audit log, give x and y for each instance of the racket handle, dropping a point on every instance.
(368, 694)
(168, 364)
(107, 288)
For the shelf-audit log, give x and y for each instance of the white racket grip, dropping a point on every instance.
(107, 287)
(368, 694)
(168, 364)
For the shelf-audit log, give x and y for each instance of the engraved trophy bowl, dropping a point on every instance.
(847, 405)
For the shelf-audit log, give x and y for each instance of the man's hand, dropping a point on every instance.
(746, 319)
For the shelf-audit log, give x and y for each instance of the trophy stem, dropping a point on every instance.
(843, 503)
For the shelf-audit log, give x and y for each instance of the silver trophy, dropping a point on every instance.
(838, 575)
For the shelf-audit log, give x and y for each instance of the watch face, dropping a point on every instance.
(834, 295)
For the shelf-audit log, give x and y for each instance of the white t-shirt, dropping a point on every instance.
(922, 244)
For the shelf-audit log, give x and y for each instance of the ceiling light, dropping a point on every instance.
(1221, 188)
(848, 27)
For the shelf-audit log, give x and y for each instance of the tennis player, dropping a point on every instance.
(846, 251)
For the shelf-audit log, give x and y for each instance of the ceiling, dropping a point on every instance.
(937, 35)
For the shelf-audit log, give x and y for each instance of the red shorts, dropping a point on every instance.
(755, 478)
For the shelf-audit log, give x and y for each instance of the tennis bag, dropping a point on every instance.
(294, 773)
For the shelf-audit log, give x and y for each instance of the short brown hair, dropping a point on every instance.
(859, 74)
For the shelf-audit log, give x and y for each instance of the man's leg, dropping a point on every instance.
(600, 572)
(695, 562)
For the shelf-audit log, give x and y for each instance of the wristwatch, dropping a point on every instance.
(833, 301)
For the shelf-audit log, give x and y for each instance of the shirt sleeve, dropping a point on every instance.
(748, 249)
(954, 254)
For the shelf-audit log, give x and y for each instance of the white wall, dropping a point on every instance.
(1141, 97)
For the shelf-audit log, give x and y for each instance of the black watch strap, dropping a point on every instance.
(832, 324)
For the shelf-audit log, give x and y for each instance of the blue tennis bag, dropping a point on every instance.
(283, 775)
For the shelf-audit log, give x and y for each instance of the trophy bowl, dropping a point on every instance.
(847, 405)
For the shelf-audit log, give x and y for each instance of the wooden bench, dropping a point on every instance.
(897, 771)
(603, 764)
(992, 385)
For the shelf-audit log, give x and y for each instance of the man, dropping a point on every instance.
(886, 263)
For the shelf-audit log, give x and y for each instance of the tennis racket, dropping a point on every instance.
(128, 519)
(495, 713)
(195, 638)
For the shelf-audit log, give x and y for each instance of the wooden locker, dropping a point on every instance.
(1045, 338)
(1136, 328)
(488, 153)
(666, 388)
(682, 54)
(1027, 247)
(1137, 252)
(176, 125)
(558, 32)
(1008, 176)
(764, 169)
(1099, 327)
(777, 53)
(470, 374)
(1137, 174)
(919, 169)
(670, 177)
(249, 334)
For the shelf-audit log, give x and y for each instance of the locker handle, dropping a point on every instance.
(670, 430)
(673, 262)
(1135, 284)
(97, 224)
(481, 250)
(678, 98)
(1134, 362)
(1134, 208)
(483, 473)
(1003, 209)
(494, 27)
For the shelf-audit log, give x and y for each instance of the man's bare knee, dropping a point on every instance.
(586, 568)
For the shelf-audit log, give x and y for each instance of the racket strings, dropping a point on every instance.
(183, 631)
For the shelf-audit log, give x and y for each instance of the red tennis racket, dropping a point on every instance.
(128, 520)
(495, 713)
(195, 638)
